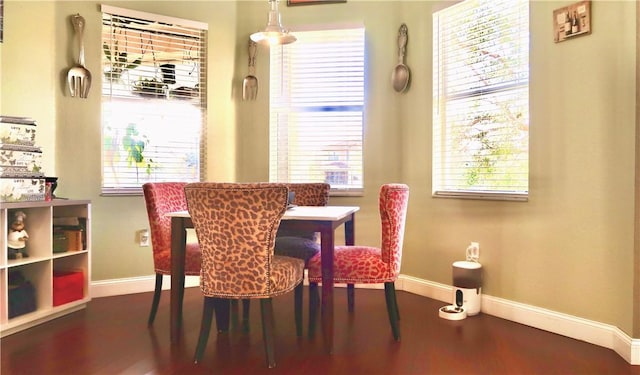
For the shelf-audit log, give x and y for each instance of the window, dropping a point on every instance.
(153, 99)
(317, 109)
(481, 100)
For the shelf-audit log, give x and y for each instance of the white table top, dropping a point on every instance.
(332, 213)
(319, 212)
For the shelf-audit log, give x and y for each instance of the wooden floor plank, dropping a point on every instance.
(111, 337)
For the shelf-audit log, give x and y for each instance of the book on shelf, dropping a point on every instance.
(66, 221)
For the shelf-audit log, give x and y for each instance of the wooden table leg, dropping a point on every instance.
(326, 248)
(178, 245)
(350, 231)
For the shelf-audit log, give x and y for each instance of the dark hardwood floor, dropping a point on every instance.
(111, 337)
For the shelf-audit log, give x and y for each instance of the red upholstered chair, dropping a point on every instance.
(161, 198)
(236, 227)
(372, 265)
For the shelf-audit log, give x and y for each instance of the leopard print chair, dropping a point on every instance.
(161, 198)
(236, 226)
(371, 265)
(302, 244)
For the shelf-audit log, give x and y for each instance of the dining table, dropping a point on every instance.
(322, 219)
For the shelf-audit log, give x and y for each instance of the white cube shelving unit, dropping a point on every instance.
(42, 262)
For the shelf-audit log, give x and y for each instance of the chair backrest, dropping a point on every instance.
(161, 198)
(236, 225)
(394, 200)
(307, 194)
(310, 193)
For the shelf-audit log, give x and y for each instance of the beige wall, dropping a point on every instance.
(569, 249)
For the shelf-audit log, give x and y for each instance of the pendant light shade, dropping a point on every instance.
(274, 33)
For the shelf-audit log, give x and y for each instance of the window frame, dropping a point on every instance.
(440, 152)
(357, 107)
(147, 105)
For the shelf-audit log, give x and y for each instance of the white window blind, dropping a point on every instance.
(481, 100)
(317, 109)
(153, 99)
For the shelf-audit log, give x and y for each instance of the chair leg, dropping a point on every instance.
(314, 303)
(393, 290)
(297, 308)
(205, 327)
(222, 306)
(181, 298)
(156, 299)
(392, 309)
(267, 330)
(245, 314)
(350, 297)
(233, 311)
(235, 314)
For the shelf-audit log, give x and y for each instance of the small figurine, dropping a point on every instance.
(17, 238)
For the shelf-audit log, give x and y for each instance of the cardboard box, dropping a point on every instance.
(21, 189)
(17, 131)
(68, 286)
(20, 162)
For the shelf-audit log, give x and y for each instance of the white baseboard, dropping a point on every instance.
(596, 333)
(116, 287)
(593, 332)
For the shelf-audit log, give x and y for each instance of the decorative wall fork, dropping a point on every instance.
(79, 77)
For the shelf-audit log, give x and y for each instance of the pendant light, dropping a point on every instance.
(274, 33)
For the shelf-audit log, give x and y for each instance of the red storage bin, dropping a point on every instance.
(68, 286)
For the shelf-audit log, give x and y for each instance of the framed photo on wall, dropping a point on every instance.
(309, 2)
(572, 21)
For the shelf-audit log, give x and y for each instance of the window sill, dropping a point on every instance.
(346, 193)
(132, 192)
(483, 195)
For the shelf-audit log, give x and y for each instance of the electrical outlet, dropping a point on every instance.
(143, 237)
(473, 251)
